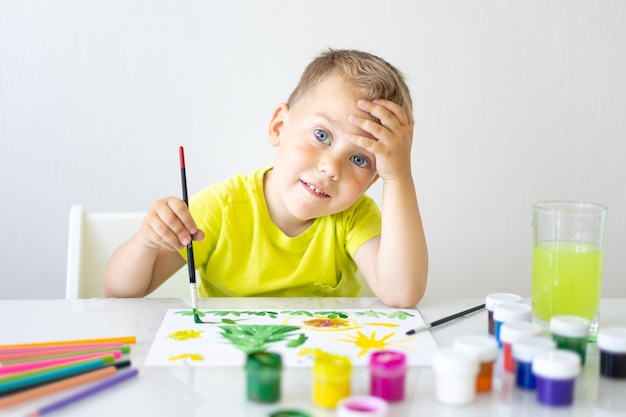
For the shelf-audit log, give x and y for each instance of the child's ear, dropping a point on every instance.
(276, 124)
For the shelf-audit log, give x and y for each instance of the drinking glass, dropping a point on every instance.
(567, 260)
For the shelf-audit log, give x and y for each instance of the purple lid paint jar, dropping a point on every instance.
(612, 346)
(556, 371)
(510, 312)
(571, 333)
(490, 303)
(387, 375)
(524, 351)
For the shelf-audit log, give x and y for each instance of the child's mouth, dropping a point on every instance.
(314, 189)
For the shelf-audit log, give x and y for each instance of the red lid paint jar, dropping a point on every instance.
(362, 406)
(556, 371)
(524, 351)
(263, 371)
(387, 375)
(455, 376)
(509, 333)
(612, 345)
(490, 303)
(571, 333)
(510, 312)
(485, 349)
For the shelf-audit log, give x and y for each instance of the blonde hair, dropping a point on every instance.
(371, 76)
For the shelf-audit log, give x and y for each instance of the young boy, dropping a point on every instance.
(303, 226)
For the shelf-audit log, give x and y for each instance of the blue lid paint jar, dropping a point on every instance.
(510, 312)
(612, 346)
(556, 371)
(524, 351)
(455, 376)
(490, 303)
(571, 333)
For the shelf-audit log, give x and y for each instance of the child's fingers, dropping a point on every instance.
(168, 224)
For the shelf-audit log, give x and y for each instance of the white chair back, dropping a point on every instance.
(92, 239)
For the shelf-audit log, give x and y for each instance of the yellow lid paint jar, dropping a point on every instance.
(331, 379)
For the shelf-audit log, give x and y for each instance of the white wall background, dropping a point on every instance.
(515, 101)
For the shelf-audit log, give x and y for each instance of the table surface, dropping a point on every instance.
(169, 391)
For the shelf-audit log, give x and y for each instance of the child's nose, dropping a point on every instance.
(330, 165)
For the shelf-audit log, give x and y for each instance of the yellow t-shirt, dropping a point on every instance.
(245, 254)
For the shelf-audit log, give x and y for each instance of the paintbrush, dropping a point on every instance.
(191, 265)
(446, 319)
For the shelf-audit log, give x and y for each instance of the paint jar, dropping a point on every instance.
(524, 351)
(490, 303)
(556, 371)
(485, 349)
(263, 371)
(571, 333)
(455, 376)
(362, 406)
(331, 379)
(387, 375)
(509, 333)
(612, 346)
(510, 312)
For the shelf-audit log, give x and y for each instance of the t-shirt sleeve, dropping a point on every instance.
(362, 222)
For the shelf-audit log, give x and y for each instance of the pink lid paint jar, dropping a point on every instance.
(556, 371)
(485, 349)
(508, 313)
(387, 375)
(509, 333)
(571, 333)
(455, 376)
(490, 303)
(524, 351)
(612, 345)
(362, 406)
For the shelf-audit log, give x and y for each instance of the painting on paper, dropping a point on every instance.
(226, 336)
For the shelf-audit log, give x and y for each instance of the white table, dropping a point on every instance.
(220, 392)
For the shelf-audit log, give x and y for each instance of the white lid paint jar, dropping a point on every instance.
(455, 376)
(556, 371)
(510, 312)
(486, 351)
(612, 345)
(509, 333)
(571, 333)
(490, 303)
(524, 351)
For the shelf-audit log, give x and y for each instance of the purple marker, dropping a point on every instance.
(93, 389)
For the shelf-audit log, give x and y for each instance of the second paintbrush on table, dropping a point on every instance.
(446, 319)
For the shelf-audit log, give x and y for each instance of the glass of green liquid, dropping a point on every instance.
(567, 260)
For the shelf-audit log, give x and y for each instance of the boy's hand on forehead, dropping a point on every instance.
(392, 135)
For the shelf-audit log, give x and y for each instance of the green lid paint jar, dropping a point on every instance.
(571, 333)
(263, 371)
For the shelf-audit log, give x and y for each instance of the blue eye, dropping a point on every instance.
(322, 135)
(360, 160)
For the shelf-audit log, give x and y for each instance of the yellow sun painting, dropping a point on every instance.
(185, 335)
(366, 343)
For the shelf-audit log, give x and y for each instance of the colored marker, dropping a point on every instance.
(30, 350)
(94, 389)
(11, 382)
(29, 366)
(67, 383)
(122, 339)
(21, 359)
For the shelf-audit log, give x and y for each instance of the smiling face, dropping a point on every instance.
(317, 172)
